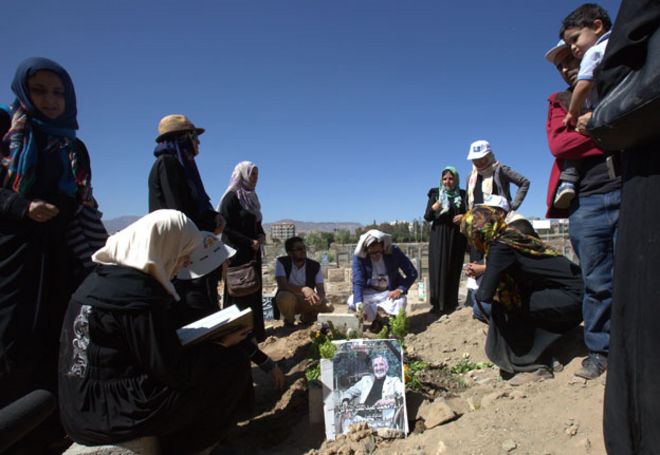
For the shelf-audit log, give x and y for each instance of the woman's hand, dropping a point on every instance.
(457, 219)
(255, 245)
(436, 206)
(42, 211)
(278, 377)
(233, 338)
(474, 270)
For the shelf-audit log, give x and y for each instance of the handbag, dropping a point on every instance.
(243, 279)
(629, 115)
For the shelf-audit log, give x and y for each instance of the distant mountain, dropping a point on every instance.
(117, 224)
(323, 226)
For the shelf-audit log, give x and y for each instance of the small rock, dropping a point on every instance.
(436, 413)
(482, 381)
(572, 428)
(388, 433)
(441, 448)
(518, 394)
(489, 399)
(576, 380)
(445, 350)
(509, 445)
(414, 401)
(470, 403)
(419, 427)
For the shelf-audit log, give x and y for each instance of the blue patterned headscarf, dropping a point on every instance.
(26, 69)
(20, 150)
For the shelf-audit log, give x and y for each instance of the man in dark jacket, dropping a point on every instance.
(300, 284)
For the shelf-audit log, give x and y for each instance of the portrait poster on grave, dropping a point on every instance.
(364, 383)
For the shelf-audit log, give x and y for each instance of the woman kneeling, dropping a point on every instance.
(123, 372)
(536, 295)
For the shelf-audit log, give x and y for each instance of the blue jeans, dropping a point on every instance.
(593, 227)
(476, 311)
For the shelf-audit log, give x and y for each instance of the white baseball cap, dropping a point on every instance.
(551, 55)
(206, 257)
(497, 201)
(479, 149)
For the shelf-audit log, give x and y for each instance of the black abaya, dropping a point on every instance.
(446, 253)
(241, 229)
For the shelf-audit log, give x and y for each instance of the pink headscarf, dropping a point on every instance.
(240, 182)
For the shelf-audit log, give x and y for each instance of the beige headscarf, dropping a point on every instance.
(153, 244)
(369, 237)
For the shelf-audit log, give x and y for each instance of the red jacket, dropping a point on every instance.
(564, 145)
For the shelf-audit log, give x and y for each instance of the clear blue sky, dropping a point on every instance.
(350, 108)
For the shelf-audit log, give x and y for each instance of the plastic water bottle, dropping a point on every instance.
(421, 291)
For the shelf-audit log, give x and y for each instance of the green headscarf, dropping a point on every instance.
(452, 196)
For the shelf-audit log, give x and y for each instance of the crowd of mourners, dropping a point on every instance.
(91, 318)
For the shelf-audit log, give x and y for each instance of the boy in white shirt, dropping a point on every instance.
(586, 30)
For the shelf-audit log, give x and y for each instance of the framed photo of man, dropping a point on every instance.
(366, 385)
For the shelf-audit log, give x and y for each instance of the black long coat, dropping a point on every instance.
(241, 229)
(551, 290)
(446, 252)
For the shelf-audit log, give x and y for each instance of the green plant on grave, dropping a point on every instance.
(412, 372)
(466, 364)
(313, 372)
(399, 324)
(397, 327)
(321, 348)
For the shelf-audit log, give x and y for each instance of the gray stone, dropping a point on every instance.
(336, 275)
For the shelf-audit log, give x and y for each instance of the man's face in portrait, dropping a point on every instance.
(380, 367)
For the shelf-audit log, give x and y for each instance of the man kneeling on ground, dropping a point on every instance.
(299, 284)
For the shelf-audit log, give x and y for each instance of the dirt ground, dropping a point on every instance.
(557, 416)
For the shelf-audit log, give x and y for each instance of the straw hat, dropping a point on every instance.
(175, 123)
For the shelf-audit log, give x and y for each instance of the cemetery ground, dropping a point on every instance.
(460, 405)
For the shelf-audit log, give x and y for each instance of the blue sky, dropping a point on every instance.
(350, 108)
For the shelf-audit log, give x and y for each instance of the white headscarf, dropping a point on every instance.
(369, 237)
(153, 244)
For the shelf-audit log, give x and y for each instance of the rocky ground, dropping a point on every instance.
(475, 412)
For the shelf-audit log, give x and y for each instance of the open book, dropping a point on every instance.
(215, 325)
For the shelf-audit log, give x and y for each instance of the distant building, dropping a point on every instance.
(282, 231)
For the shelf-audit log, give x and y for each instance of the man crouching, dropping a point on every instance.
(299, 284)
